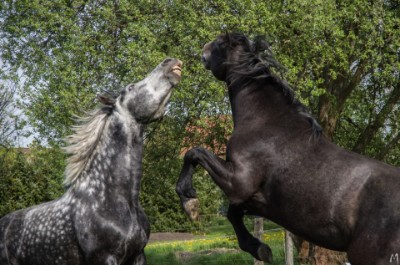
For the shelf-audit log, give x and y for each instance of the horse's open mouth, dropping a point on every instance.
(177, 70)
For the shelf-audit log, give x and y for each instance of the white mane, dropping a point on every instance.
(83, 142)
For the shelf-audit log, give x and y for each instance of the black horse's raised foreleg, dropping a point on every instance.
(247, 242)
(220, 171)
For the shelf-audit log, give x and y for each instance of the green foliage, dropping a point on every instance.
(161, 167)
(29, 178)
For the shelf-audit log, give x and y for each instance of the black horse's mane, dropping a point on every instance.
(255, 62)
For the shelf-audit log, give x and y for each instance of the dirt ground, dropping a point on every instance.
(159, 237)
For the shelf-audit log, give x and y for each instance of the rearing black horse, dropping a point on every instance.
(279, 166)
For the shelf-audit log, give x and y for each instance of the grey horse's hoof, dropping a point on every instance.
(191, 207)
(265, 253)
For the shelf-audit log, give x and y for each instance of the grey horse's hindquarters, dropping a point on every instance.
(34, 236)
(10, 237)
(3, 227)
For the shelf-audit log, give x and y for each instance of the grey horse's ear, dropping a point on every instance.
(106, 100)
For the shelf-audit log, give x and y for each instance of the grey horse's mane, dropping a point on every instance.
(83, 142)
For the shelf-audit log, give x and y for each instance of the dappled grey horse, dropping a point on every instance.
(98, 220)
(279, 166)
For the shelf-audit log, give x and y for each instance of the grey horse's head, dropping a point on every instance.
(146, 100)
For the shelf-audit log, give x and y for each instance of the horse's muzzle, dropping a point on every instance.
(205, 62)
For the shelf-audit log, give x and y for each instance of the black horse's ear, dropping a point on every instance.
(106, 100)
(260, 44)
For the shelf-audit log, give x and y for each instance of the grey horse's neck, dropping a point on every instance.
(114, 169)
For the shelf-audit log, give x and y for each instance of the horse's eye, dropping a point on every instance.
(167, 61)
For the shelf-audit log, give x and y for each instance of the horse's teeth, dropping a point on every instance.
(177, 71)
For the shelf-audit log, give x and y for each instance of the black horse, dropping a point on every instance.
(279, 166)
(98, 221)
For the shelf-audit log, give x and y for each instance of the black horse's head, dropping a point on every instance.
(231, 51)
(220, 53)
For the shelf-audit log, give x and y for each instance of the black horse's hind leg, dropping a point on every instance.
(247, 242)
(220, 170)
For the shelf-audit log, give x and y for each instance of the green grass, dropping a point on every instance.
(200, 251)
(219, 226)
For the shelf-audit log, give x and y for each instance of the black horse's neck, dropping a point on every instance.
(257, 103)
(265, 104)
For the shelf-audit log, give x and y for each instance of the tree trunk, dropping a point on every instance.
(328, 115)
(315, 255)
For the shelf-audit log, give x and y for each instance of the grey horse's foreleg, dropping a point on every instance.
(247, 242)
(138, 260)
(220, 171)
(110, 260)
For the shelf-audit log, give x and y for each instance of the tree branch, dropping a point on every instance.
(332, 103)
(378, 122)
(389, 146)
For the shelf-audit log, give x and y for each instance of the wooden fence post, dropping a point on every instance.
(288, 248)
(258, 233)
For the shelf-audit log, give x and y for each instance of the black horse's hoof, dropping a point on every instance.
(191, 207)
(264, 253)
